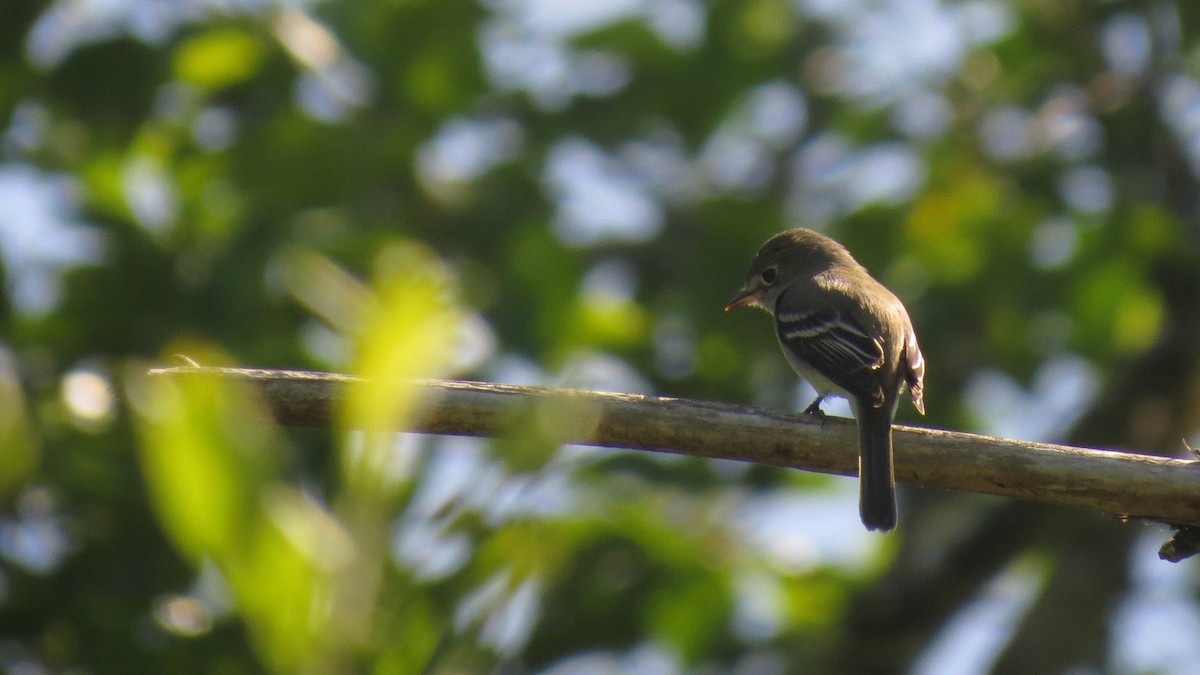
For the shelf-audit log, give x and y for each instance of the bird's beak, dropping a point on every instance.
(746, 296)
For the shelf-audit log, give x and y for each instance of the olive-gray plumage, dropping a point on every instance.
(847, 335)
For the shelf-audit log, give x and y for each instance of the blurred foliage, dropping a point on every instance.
(566, 194)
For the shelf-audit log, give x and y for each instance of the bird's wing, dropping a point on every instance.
(914, 371)
(837, 346)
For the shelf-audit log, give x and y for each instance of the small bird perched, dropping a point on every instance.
(849, 336)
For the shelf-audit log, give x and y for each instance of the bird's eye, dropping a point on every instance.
(768, 275)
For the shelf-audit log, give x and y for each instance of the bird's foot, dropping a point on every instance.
(814, 409)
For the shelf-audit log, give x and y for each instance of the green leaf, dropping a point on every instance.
(218, 58)
(208, 448)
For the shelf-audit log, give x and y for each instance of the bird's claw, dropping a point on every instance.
(814, 409)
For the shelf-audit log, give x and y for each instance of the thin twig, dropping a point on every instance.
(1123, 484)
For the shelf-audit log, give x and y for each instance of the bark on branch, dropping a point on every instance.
(1119, 483)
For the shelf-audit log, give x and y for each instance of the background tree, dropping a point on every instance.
(567, 194)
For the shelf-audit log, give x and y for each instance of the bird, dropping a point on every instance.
(848, 336)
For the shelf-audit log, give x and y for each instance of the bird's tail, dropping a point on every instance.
(876, 482)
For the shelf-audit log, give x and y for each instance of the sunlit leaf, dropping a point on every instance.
(208, 448)
(408, 630)
(947, 225)
(211, 454)
(1114, 307)
(218, 58)
(608, 321)
(19, 450)
(814, 601)
(408, 332)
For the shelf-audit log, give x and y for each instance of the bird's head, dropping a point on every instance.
(789, 255)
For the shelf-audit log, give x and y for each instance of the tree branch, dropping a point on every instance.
(1122, 484)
